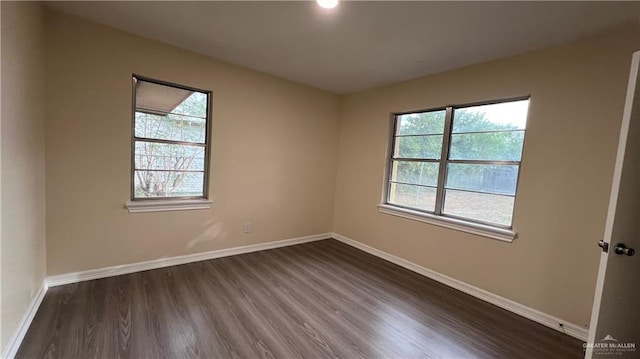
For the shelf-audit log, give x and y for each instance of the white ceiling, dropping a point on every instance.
(358, 45)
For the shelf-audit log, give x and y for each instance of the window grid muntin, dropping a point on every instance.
(203, 143)
(435, 158)
(448, 186)
(206, 145)
(393, 162)
(444, 160)
(390, 184)
(414, 184)
(480, 221)
(200, 159)
(478, 192)
(487, 132)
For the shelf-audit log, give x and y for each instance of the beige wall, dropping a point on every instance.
(275, 145)
(273, 164)
(23, 168)
(577, 95)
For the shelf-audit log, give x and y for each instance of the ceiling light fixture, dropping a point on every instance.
(327, 4)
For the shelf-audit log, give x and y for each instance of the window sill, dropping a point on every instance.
(500, 234)
(167, 205)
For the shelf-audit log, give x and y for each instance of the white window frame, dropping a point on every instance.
(177, 203)
(437, 217)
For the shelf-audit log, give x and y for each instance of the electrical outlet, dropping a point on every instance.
(246, 228)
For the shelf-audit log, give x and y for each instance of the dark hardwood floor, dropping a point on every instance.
(316, 300)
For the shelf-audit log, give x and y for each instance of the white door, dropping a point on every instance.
(615, 320)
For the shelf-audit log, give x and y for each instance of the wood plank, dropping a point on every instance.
(316, 300)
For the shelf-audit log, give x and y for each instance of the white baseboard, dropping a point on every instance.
(68, 278)
(537, 316)
(550, 321)
(14, 343)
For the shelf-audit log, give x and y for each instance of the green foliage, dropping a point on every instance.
(421, 123)
(420, 136)
(486, 145)
(428, 146)
(475, 121)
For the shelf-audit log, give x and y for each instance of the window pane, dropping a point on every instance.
(495, 117)
(479, 206)
(490, 146)
(164, 156)
(424, 173)
(500, 179)
(168, 184)
(170, 138)
(419, 197)
(170, 127)
(422, 123)
(428, 147)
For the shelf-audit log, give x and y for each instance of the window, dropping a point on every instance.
(459, 162)
(170, 145)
